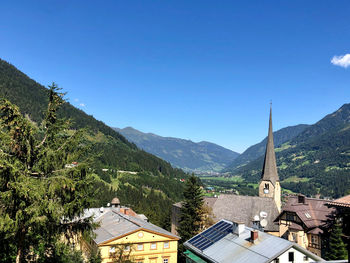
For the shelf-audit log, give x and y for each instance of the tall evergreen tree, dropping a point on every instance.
(336, 248)
(40, 196)
(192, 209)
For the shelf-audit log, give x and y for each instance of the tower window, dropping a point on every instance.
(266, 186)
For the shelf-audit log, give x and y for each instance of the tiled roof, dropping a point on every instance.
(313, 212)
(114, 224)
(343, 201)
(241, 208)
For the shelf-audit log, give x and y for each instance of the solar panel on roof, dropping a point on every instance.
(211, 235)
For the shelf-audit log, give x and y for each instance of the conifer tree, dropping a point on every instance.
(336, 248)
(191, 211)
(40, 197)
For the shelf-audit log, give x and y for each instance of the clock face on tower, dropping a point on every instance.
(266, 191)
(140, 235)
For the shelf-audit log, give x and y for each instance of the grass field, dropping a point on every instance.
(233, 179)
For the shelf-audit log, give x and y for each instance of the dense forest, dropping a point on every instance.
(155, 179)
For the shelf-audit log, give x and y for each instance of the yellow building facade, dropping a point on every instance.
(124, 234)
(143, 246)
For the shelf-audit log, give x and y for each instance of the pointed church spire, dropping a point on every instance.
(269, 172)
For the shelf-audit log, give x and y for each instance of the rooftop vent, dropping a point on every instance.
(238, 228)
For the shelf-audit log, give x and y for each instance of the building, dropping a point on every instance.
(122, 232)
(230, 242)
(342, 206)
(303, 220)
(262, 209)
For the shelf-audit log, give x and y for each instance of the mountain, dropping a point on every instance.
(317, 160)
(253, 152)
(185, 154)
(147, 177)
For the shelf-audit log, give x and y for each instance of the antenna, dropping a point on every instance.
(263, 222)
(263, 214)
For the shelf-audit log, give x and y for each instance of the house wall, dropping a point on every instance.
(298, 257)
(300, 237)
(160, 254)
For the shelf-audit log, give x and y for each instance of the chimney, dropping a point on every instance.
(301, 199)
(238, 228)
(254, 234)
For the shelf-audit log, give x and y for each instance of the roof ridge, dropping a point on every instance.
(124, 216)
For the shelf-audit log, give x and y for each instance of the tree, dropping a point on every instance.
(336, 248)
(41, 197)
(192, 209)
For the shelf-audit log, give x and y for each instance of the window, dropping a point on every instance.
(307, 215)
(291, 256)
(153, 245)
(127, 248)
(306, 258)
(166, 245)
(112, 250)
(165, 260)
(277, 260)
(314, 239)
(266, 186)
(139, 246)
(290, 217)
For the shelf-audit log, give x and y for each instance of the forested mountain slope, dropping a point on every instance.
(253, 152)
(109, 150)
(315, 161)
(185, 154)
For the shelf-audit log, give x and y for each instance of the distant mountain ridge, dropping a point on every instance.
(257, 150)
(317, 160)
(185, 154)
(109, 152)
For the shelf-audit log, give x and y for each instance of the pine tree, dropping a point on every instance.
(191, 211)
(40, 197)
(336, 249)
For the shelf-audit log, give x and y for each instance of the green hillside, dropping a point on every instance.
(315, 161)
(185, 154)
(156, 179)
(257, 150)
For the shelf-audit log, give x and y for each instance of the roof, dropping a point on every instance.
(241, 208)
(115, 201)
(269, 172)
(239, 248)
(342, 202)
(114, 224)
(313, 212)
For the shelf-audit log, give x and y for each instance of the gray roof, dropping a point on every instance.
(239, 208)
(114, 224)
(239, 248)
(269, 172)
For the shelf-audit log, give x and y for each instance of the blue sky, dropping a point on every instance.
(198, 70)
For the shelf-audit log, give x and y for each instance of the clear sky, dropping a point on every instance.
(198, 70)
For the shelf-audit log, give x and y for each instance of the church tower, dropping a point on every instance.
(270, 183)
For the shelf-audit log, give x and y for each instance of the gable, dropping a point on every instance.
(137, 236)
